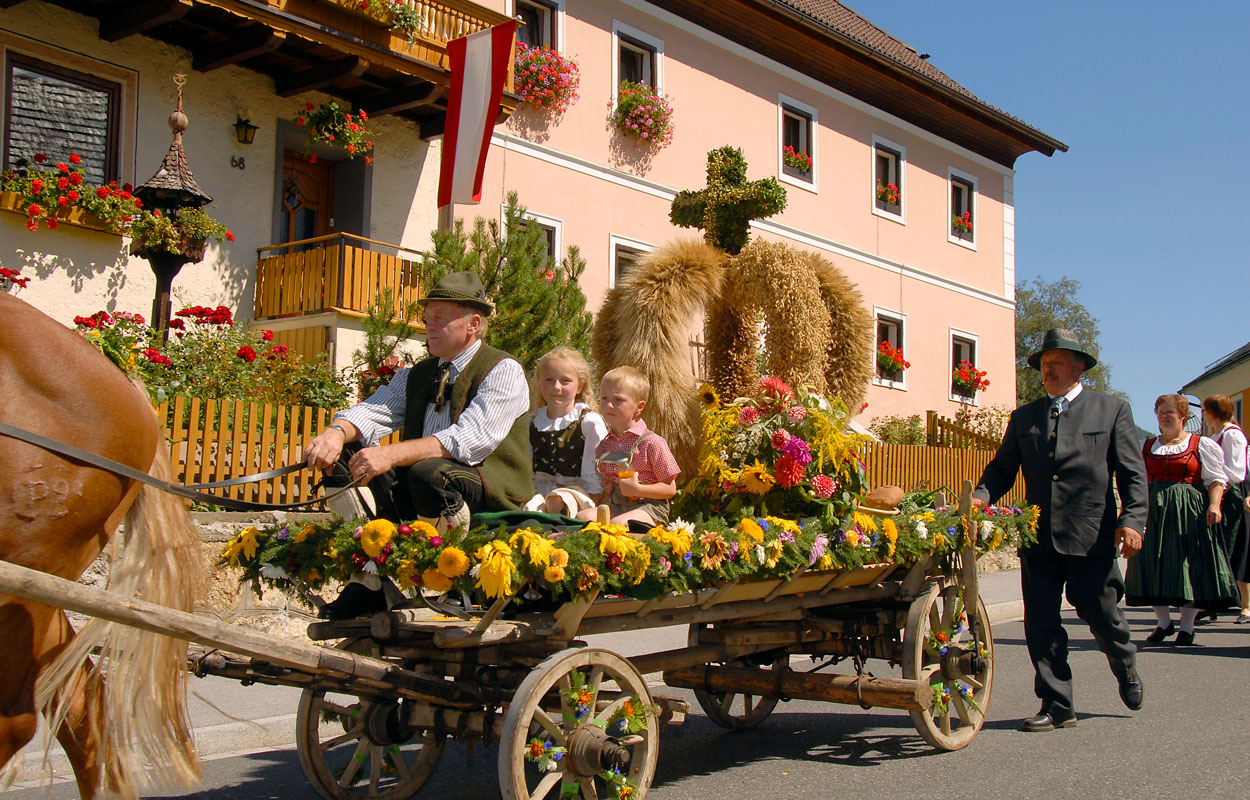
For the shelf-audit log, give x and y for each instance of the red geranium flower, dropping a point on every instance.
(247, 354)
(34, 210)
(76, 178)
(36, 186)
(267, 335)
(74, 158)
(40, 158)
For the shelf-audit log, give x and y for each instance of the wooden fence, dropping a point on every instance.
(943, 432)
(215, 440)
(917, 467)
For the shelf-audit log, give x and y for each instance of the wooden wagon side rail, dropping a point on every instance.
(369, 676)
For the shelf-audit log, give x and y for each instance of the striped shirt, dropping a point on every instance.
(653, 461)
(501, 399)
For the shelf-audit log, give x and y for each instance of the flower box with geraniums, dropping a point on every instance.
(545, 80)
(210, 357)
(400, 17)
(889, 197)
(890, 362)
(967, 380)
(796, 163)
(961, 226)
(48, 194)
(643, 114)
(332, 124)
(187, 234)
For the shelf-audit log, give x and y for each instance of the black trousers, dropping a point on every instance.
(1094, 587)
(432, 488)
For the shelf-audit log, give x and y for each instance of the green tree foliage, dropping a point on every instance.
(385, 336)
(1040, 306)
(538, 305)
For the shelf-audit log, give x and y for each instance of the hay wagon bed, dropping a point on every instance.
(379, 705)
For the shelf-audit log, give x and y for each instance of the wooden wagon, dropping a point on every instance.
(571, 720)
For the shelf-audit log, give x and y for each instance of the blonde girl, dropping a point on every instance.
(564, 432)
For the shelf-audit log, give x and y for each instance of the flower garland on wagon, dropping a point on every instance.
(775, 495)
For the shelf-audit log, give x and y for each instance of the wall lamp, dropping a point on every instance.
(245, 130)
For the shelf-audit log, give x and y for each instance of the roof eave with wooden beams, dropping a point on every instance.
(819, 50)
(328, 46)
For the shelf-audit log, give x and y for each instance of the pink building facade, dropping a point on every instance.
(938, 293)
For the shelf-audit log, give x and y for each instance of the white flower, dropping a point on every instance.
(987, 530)
(680, 524)
(760, 555)
(476, 569)
(921, 530)
(370, 567)
(274, 573)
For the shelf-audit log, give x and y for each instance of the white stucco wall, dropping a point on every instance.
(77, 272)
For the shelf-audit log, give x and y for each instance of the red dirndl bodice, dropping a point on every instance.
(1182, 467)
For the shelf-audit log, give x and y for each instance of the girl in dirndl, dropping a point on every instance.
(564, 433)
(1236, 528)
(1181, 563)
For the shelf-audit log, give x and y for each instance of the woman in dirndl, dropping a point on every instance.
(1236, 527)
(1180, 564)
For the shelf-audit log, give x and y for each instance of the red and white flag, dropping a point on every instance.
(479, 69)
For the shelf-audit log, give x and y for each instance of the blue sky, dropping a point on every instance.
(1147, 207)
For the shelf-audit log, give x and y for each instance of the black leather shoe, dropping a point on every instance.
(1184, 639)
(354, 601)
(1050, 717)
(1131, 690)
(1159, 634)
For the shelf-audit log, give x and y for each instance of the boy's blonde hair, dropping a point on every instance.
(574, 357)
(629, 379)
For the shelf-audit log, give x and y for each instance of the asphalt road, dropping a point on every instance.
(1190, 741)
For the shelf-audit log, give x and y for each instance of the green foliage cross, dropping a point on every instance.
(724, 209)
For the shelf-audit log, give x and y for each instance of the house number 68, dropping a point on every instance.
(238, 162)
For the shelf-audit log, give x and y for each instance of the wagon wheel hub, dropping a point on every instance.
(385, 723)
(591, 751)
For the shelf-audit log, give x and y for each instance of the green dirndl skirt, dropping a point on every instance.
(1183, 560)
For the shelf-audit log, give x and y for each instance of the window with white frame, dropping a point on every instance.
(538, 26)
(890, 365)
(552, 231)
(624, 255)
(963, 207)
(637, 56)
(963, 367)
(887, 165)
(798, 134)
(54, 111)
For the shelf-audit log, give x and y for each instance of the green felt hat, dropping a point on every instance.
(462, 288)
(1061, 339)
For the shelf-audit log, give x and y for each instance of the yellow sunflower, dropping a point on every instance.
(865, 522)
(619, 542)
(245, 544)
(453, 562)
(533, 544)
(708, 395)
(678, 540)
(436, 580)
(305, 532)
(756, 478)
(495, 576)
(375, 535)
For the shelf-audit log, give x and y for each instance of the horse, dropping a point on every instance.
(115, 696)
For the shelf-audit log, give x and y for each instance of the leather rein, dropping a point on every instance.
(191, 492)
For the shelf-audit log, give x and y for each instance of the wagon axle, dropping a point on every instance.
(386, 723)
(592, 751)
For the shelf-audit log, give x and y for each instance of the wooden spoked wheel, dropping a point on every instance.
(584, 750)
(730, 710)
(355, 747)
(965, 672)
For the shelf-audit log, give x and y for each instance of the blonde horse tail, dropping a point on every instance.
(143, 729)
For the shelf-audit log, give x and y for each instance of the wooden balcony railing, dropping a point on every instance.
(339, 272)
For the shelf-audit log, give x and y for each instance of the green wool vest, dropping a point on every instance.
(507, 474)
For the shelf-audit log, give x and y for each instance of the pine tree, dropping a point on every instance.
(538, 305)
(385, 337)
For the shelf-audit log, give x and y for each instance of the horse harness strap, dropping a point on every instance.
(190, 492)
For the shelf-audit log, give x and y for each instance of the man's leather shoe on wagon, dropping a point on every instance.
(1050, 717)
(355, 601)
(1131, 690)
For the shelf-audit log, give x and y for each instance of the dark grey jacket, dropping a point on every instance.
(1073, 486)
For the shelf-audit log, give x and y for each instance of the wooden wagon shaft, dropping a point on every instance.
(968, 556)
(909, 695)
(40, 587)
(742, 611)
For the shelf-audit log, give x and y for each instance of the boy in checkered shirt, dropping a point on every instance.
(641, 489)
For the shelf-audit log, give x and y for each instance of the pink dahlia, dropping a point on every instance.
(749, 415)
(779, 439)
(823, 486)
(796, 414)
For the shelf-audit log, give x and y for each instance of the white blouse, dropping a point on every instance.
(1234, 447)
(593, 430)
(1209, 455)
